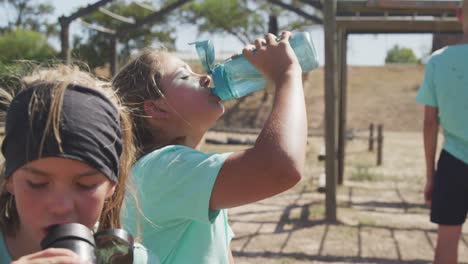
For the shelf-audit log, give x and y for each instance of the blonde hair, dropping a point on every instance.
(136, 82)
(59, 78)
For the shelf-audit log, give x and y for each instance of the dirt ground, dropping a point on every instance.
(381, 214)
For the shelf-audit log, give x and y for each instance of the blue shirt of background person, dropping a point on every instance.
(445, 87)
(444, 93)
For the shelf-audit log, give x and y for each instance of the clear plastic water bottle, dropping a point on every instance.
(236, 77)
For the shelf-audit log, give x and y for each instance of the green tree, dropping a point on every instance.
(20, 51)
(400, 55)
(230, 16)
(94, 47)
(288, 18)
(28, 14)
(243, 19)
(22, 44)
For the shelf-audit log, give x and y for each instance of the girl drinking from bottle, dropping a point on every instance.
(68, 152)
(184, 192)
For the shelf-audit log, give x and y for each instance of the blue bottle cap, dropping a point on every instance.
(205, 51)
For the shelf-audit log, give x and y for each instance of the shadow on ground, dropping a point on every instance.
(291, 228)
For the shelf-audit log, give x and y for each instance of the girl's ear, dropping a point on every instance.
(459, 15)
(157, 109)
(111, 191)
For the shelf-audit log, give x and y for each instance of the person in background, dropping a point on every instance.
(444, 92)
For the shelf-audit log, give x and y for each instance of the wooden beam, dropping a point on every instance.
(402, 7)
(342, 102)
(96, 27)
(128, 20)
(395, 13)
(298, 11)
(146, 6)
(329, 11)
(314, 3)
(87, 10)
(418, 4)
(376, 26)
(152, 17)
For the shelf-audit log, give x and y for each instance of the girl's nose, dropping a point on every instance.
(205, 81)
(61, 205)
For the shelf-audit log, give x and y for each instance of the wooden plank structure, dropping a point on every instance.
(114, 34)
(344, 17)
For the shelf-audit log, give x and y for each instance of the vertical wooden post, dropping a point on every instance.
(379, 144)
(342, 66)
(371, 137)
(113, 55)
(329, 12)
(440, 40)
(273, 23)
(65, 53)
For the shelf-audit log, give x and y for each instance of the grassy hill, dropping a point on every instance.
(381, 95)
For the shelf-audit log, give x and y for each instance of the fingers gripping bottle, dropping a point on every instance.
(236, 77)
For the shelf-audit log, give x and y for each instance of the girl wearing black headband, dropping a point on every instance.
(184, 191)
(68, 151)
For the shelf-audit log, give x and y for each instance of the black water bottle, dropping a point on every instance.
(76, 237)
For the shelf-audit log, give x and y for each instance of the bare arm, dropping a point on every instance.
(431, 129)
(275, 163)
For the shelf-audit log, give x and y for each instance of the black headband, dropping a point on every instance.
(89, 129)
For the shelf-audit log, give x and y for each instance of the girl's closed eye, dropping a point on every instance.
(90, 182)
(37, 184)
(86, 186)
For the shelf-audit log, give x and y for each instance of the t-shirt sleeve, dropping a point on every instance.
(176, 183)
(427, 93)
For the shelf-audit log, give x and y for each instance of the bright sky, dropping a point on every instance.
(362, 49)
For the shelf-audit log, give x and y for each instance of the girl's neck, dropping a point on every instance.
(191, 142)
(19, 245)
(194, 142)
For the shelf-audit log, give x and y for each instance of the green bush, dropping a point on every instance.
(401, 55)
(24, 44)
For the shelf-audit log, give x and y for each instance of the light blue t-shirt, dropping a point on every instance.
(174, 186)
(4, 254)
(140, 254)
(445, 86)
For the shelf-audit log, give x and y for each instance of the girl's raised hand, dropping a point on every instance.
(51, 256)
(273, 56)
